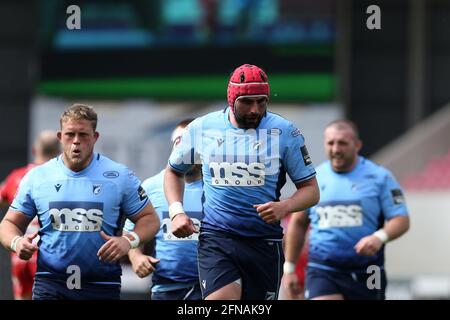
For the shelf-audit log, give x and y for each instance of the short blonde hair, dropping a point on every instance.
(79, 111)
(344, 124)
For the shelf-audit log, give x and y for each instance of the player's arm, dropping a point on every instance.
(173, 185)
(146, 226)
(396, 227)
(182, 225)
(146, 223)
(142, 264)
(294, 241)
(393, 228)
(394, 209)
(306, 196)
(12, 230)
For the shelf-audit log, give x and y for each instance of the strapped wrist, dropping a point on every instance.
(382, 235)
(133, 239)
(175, 209)
(14, 241)
(288, 267)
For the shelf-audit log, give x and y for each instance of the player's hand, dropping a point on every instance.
(143, 265)
(182, 226)
(270, 212)
(114, 248)
(368, 246)
(292, 286)
(25, 246)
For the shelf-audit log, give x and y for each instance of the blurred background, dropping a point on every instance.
(147, 64)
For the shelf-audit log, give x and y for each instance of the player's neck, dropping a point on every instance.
(233, 120)
(350, 168)
(77, 167)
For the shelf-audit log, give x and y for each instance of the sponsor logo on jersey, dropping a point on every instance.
(339, 214)
(238, 174)
(306, 158)
(295, 133)
(142, 194)
(57, 187)
(166, 226)
(96, 189)
(397, 196)
(256, 145)
(214, 145)
(110, 174)
(274, 131)
(77, 216)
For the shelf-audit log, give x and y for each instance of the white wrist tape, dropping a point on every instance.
(174, 209)
(288, 267)
(133, 239)
(382, 235)
(14, 241)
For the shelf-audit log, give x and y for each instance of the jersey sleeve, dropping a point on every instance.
(392, 199)
(23, 201)
(134, 198)
(185, 154)
(297, 160)
(147, 185)
(129, 225)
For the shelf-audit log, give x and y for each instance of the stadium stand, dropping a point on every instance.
(418, 264)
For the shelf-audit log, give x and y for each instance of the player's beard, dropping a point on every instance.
(342, 162)
(81, 161)
(245, 123)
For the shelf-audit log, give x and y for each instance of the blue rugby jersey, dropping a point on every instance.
(242, 168)
(352, 205)
(177, 268)
(72, 208)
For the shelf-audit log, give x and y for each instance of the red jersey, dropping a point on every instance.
(22, 272)
(12, 181)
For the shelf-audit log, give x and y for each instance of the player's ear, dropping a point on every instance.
(359, 145)
(58, 134)
(96, 135)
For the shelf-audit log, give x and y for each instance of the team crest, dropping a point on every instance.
(96, 189)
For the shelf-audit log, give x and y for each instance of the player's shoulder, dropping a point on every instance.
(44, 170)
(324, 168)
(154, 182)
(279, 124)
(208, 119)
(370, 167)
(17, 173)
(20, 171)
(111, 169)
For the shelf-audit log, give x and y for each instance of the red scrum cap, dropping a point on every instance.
(247, 80)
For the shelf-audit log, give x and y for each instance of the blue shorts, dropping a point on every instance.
(223, 259)
(352, 285)
(45, 288)
(192, 293)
